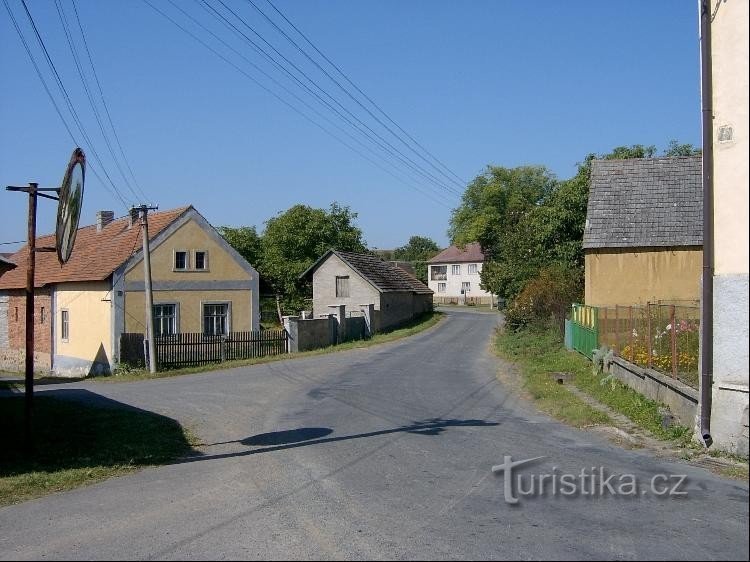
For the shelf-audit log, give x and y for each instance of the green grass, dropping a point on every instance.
(541, 352)
(418, 325)
(79, 443)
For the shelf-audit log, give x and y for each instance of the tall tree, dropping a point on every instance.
(676, 149)
(294, 239)
(417, 250)
(245, 240)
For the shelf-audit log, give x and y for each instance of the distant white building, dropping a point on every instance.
(454, 276)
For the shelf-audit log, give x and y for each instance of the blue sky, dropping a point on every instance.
(476, 83)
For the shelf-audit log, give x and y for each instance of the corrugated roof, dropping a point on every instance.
(95, 255)
(386, 277)
(471, 253)
(645, 202)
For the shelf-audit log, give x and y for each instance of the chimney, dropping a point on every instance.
(103, 218)
(133, 215)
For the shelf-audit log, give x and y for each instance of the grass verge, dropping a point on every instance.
(420, 324)
(540, 353)
(79, 443)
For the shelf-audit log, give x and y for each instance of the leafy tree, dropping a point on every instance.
(676, 149)
(245, 240)
(294, 239)
(417, 250)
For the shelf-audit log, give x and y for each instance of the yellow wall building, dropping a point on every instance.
(643, 238)
(200, 284)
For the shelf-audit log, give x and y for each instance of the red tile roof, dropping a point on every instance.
(471, 253)
(95, 255)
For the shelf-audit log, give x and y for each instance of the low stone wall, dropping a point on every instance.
(680, 398)
(14, 361)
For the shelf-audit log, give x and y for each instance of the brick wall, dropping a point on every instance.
(12, 353)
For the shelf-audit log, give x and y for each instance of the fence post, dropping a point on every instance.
(617, 330)
(632, 328)
(673, 337)
(648, 347)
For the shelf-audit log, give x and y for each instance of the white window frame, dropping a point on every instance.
(438, 272)
(65, 325)
(442, 287)
(176, 318)
(205, 260)
(472, 268)
(187, 260)
(456, 269)
(466, 287)
(228, 326)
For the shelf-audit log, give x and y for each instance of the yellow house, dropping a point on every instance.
(200, 284)
(643, 237)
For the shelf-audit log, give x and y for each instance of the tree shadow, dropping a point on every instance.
(79, 429)
(305, 437)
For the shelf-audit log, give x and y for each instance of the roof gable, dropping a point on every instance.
(645, 202)
(384, 276)
(96, 254)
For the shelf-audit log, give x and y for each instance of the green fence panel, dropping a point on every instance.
(585, 328)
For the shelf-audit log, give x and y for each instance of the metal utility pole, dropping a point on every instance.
(144, 209)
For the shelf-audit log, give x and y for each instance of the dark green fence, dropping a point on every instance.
(585, 324)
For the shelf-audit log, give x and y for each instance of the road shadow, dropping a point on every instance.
(306, 437)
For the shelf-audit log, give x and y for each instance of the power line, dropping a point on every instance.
(104, 102)
(52, 98)
(82, 75)
(383, 143)
(449, 175)
(294, 95)
(288, 104)
(69, 102)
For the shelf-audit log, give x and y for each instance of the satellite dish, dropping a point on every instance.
(69, 207)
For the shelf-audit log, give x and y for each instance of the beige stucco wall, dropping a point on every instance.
(89, 346)
(731, 388)
(615, 276)
(189, 237)
(729, 34)
(189, 308)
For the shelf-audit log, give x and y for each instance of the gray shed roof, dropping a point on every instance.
(385, 277)
(645, 202)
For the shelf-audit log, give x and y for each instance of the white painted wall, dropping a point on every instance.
(453, 282)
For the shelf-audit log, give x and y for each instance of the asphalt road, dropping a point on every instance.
(385, 452)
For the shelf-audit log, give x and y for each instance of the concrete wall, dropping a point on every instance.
(399, 308)
(623, 276)
(680, 398)
(324, 287)
(453, 282)
(89, 348)
(729, 419)
(306, 335)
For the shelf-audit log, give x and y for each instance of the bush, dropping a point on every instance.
(545, 300)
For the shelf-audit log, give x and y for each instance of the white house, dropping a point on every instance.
(454, 276)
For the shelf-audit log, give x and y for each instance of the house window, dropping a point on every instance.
(64, 325)
(180, 260)
(441, 287)
(438, 272)
(165, 319)
(16, 314)
(216, 319)
(41, 315)
(465, 287)
(201, 259)
(342, 286)
(472, 269)
(456, 269)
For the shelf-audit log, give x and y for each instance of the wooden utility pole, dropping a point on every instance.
(144, 209)
(30, 271)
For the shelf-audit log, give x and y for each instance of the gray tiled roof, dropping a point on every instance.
(645, 202)
(384, 276)
(387, 277)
